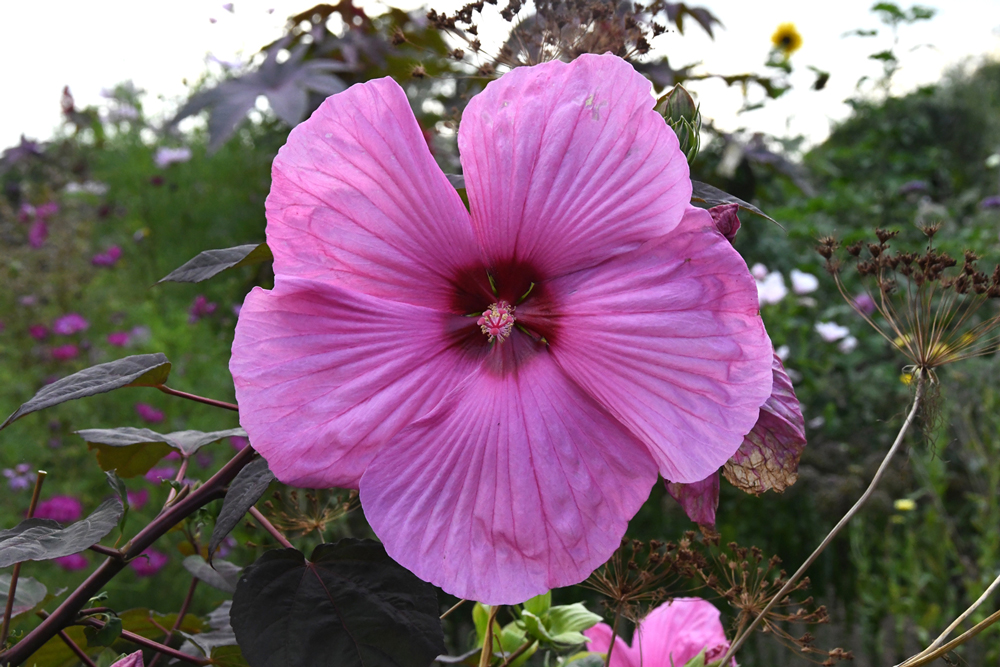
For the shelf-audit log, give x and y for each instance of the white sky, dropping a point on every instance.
(96, 44)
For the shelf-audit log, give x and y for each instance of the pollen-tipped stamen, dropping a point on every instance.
(498, 321)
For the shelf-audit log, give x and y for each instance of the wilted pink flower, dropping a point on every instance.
(157, 475)
(131, 660)
(149, 413)
(38, 331)
(64, 509)
(72, 563)
(47, 210)
(118, 338)
(65, 352)
(726, 219)
(37, 233)
(238, 442)
(201, 307)
(167, 156)
(498, 470)
(137, 499)
(107, 258)
(149, 563)
(69, 324)
(672, 634)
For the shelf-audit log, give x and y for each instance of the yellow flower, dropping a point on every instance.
(787, 39)
(905, 505)
(906, 378)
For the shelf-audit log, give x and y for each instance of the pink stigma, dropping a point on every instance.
(498, 321)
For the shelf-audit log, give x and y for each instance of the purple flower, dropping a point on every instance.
(64, 509)
(26, 213)
(118, 338)
(72, 563)
(200, 308)
(28, 300)
(167, 156)
(47, 210)
(865, 303)
(65, 352)
(172, 456)
(227, 546)
(238, 442)
(204, 459)
(38, 233)
(69, 324)
(107, 258)
(149, 563)
(18, 478)
(138, 499)
(38, 331)
(912, 187)
(990, 202)
(157, 475)
(149, 413)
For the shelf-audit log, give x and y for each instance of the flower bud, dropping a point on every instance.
(682, 114)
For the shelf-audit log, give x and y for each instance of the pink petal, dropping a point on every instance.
(700, 500)
(131, 660)
(568, 164)
(599, 639)
(357, 200)
(324, 376)
(516, 483)
(726, 220)
(769, 455)
(678, 631)
(669, 339)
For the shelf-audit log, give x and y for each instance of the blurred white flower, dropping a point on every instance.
(166, 156)
(802, 282)
(758, 271)
(772, 288)
(847, 345)
(783, 352)
(831, 331)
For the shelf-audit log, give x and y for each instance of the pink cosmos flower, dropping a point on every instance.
(47, 210)
(37, 233)
(69, 324)
(118, 338)
(64, 509)
(201, 307)
(672, 634)
(107, 258)
(149, 563)
(502, 386)
(72, 563)
(65, 352)
(157, 475)
(149, 413)
(238, 442)
(131, 660)
(137, 499)
(38, 331)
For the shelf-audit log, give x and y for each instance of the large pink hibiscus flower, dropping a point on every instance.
(502, 386)
(672, 634)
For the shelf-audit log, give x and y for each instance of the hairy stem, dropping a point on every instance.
(66, 613)
(921, 659)
(199, 399)
(180, 619)
(8, 611)
(738, 641)
(269, 527)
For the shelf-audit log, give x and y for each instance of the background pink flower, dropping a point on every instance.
(138, 499)
(65, 352)
(201, 307)
(158, 474)
(118, 338)
(669, 636)
(149, 563)
(73, 562)
(107, 258)
(70, 324)
(131, 660)
(38, 233)
(38, 331)
(149, 413)
(239, 442)
(498, 470)
(64, 509)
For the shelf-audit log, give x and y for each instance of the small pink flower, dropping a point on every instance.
(69, 324)
(157, 475)
(670, 636)
(149, 413)
(26, 213)
(201, 307)
(131, 660)
(107, 258)
(38, 331)
(72, 563)
(65, 352)
(118, 338)
(138, 499)
(28, 300)
(172, 456)
(865, 303)
(149, 563)
(47, 210)
(64, 509)
(636, 344)
(238, 442)
(38, 232)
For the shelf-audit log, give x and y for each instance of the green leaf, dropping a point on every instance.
(141, 370)
(220, 574)
(228, 656)
(350, 605)
(539, 604)
(480, 618)
(713, 196)
(212, 262)
(29, 593)
(105, 636)
(534, 627)
(697, 661)
(134, 451)
(249, 485)
(130, 461)
(571, 618)
(585, 659)
(44, 539)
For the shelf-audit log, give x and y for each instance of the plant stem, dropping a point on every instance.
(107, 551)
(518, 653)
(178, 478)
(453, 608)
(199, 399)
(269, 527)
(65, 614)
(180, 619)
(148, 643)
(80, 653)
(918, 660)
(8, 611)
(614, 634)
(738, 641)
(486, 655)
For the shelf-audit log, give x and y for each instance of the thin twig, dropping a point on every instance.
(958, 621)
(738, 641)
(453, 608)
(918, 660)
(8, 611)
(486, 655)
(84, 658)
(106, 551)
(518, 653)
(178, 478)
(614, 631)
(180, 619)
(199, 399)
(148, 643)
(269, 527)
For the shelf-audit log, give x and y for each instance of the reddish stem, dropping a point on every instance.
(148, 643)
(84, 658)
(8, 611)
(269, 527)
(180, 619)
(199, 399)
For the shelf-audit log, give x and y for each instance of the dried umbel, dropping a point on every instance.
(301, 513)
(933, 308)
